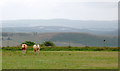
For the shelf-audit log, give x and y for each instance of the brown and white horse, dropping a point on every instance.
(24, 47)
(36, 48)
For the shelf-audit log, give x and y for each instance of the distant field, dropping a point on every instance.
(60, 60)
(60, 39)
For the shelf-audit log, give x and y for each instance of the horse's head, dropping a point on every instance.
(23, 45)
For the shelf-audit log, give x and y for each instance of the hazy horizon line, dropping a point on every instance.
(57, 19)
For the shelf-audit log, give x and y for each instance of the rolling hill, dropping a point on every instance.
(60, 39)
(61, 32)
(48, 29)
(61, 25)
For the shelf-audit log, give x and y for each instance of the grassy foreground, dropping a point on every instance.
(60, 60)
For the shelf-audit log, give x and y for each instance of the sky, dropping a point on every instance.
(59, 9)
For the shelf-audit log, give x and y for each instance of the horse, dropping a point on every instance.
(36, 48)
(24, 47)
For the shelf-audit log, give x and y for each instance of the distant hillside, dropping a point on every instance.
(85, 39)
(60, 39)
(80, 24)
(61, 25)
(49, 29)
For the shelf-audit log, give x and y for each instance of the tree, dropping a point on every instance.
(2, 38)
(104, 43)
(8, 41)
(5, 34)
(41, 45)
(29, 43)
(9, 38)
(48, 43)
(35, 33)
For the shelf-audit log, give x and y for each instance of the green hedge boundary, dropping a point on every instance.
(67, 48)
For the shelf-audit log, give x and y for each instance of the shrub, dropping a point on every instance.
(41, 45)
(86, 47)
(29, 43)
(48, 43)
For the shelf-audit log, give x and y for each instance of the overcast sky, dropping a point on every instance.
(55, 9)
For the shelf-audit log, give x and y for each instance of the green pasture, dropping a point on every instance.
(60, 60)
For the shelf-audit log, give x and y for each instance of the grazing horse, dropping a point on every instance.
(36, 48)
(24, 47)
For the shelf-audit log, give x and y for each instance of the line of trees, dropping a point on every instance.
(46, 43)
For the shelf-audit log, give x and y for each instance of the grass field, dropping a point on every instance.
(60, 60)
(0, 59)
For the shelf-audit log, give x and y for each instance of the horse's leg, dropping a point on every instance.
(37, 51)
(23, 51)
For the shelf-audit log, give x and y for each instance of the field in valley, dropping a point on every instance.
(60, 60)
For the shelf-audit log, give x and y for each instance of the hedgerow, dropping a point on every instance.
(56, 48)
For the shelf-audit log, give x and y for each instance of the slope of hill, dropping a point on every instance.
(57, 29)
(80, 24)
(60, 39)
(61, 25)
(85, 39)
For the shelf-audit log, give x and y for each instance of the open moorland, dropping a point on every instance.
(45, 59)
